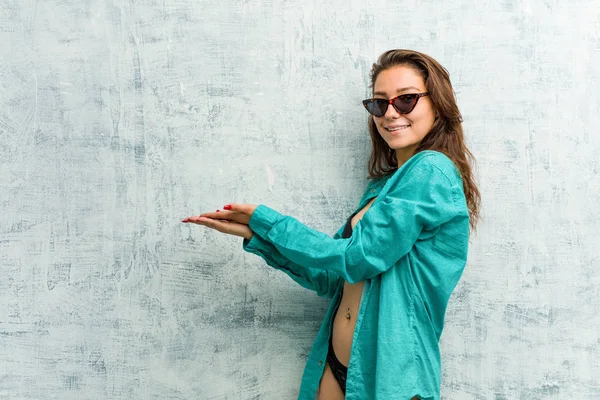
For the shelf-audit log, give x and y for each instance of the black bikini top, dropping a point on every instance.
(348, 227)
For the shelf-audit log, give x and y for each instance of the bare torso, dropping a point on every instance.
(343, 328)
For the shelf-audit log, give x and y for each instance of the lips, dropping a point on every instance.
(396, 128)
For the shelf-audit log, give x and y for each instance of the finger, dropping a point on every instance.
(222, 226)
(209, 215)
(232, 207)
(234, 216)
(207, 221)
(219, 214)
(193, 219)
(243, 208)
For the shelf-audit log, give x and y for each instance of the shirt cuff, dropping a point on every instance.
(262, 220)
(253, 245)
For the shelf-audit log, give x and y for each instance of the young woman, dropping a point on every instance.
(391, 268)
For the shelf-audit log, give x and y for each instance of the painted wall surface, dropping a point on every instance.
(119, 118)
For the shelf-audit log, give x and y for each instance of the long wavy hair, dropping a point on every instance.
(446, 134)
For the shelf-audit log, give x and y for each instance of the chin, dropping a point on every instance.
(402, 144)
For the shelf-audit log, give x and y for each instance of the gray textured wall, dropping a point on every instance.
(118, 118)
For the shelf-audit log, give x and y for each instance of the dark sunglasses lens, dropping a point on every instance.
(405, 103)
(377, 107)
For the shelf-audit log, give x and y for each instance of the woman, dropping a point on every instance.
(391, 268)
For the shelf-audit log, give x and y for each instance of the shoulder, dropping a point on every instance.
(428, 174)
(433, 163)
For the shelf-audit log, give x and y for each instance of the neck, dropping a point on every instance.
(403, 155)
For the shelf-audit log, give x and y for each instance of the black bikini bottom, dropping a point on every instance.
(339, 370)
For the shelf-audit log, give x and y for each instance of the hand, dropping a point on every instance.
(233, 221)
(222, 225)
(233, 212)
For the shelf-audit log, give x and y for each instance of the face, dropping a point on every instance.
(403, 132)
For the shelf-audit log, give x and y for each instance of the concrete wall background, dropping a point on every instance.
(118, 118)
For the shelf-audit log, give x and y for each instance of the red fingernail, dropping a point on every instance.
(185, 220)
(218, 210)
(227, 207)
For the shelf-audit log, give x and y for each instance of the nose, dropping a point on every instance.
(391, 112)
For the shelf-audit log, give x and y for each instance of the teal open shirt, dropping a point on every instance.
(410, 248)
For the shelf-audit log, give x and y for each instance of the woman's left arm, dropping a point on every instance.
(422, 199)
(323, 282)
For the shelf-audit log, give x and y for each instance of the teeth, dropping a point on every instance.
(398, 128)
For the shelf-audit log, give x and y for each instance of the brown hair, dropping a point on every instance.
(446, 135)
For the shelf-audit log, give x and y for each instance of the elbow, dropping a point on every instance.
(358, 275)
(356, 269)
(354, 273)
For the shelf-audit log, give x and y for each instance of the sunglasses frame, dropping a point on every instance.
(391, 101)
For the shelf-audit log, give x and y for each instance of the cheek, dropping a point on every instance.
(423, 127)
(378, 124)
(424, 119)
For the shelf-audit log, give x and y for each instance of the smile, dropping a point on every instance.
(397, 128)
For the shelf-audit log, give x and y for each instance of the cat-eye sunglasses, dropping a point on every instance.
(404, 104)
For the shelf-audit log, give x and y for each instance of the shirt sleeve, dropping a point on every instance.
(323, 282)
(421, 199)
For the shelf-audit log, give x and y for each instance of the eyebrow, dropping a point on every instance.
(397, 91)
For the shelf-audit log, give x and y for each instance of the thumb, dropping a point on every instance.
(243, 208)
